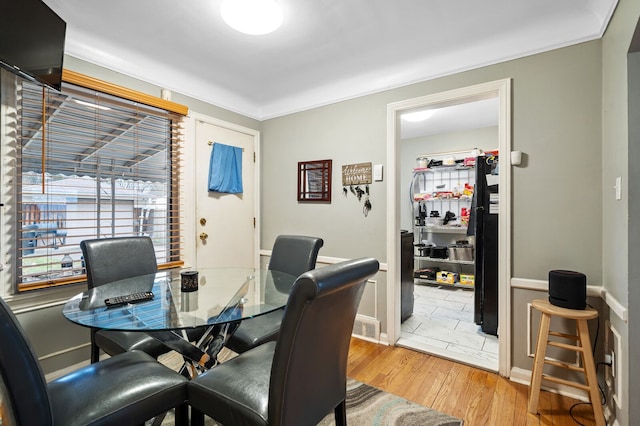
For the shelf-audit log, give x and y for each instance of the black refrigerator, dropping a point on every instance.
(483, 224)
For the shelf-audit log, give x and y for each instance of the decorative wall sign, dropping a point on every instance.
(356, 179)
(356, 174)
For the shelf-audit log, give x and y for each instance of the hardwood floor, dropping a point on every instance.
(478, 397)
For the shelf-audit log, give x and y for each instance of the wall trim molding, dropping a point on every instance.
(616, 307)
(592, 290)
(326, 260)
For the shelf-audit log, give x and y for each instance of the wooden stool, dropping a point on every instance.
(583, 347)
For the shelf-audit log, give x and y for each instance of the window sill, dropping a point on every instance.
(41, 299)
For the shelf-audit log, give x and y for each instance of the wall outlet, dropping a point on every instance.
(613, 364)
(613, 350)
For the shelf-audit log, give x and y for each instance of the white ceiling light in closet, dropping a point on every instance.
(418, 116)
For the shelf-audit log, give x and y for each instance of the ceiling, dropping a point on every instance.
(455, 118)
(326, 50)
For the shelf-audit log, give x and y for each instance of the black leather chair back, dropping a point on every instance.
(295, 254)
(112, 259)
(21, 373)
(309, 370)
(292, 254)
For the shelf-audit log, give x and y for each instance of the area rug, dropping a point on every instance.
(369, 406)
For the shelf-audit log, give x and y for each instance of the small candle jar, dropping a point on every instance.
(189, 281)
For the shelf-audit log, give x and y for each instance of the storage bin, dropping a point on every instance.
(439, 252)
(461, 252)
(428, 273)
(446, 277)
(467, 279)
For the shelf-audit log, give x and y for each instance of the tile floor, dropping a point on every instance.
(442, 324)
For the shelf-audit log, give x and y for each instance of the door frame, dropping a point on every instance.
(188, 175)
(501, 88)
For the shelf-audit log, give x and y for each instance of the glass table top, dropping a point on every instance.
(224, 295)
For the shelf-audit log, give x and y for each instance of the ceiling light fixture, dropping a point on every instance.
(253, 17)
(417, 116)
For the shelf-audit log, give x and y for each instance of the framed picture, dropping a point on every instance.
(314, 180)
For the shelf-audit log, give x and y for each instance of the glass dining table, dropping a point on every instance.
(223, 298)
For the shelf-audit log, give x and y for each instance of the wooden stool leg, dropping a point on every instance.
(590, 371)
(538, 362)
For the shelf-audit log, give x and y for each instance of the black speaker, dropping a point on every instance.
(568, 289)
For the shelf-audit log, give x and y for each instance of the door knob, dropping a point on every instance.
(203, 221)
(204, 236)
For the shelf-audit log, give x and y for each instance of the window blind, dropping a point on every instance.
(92, 165)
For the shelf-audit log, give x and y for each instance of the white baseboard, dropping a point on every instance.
(522, 376)
(383, 339)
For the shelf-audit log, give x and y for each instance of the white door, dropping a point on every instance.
(225, 223)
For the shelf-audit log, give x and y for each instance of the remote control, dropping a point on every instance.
(129, 298)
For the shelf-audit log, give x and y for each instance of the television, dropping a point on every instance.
(32, 41)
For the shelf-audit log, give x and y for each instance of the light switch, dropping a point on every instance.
(377, 172)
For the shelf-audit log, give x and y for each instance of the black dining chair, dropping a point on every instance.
(292, 254)
(301, 377)
(125, 389)
(112, 259)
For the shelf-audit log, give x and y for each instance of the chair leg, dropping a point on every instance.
(341, 414)
(181, 414)
(95, 350)
(197, 417)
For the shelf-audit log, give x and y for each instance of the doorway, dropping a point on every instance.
(500, 90)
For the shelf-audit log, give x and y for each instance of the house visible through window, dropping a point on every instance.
(91, 165)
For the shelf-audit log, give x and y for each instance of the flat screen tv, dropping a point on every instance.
(32, 41)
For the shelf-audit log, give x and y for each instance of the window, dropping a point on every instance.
(91, 165)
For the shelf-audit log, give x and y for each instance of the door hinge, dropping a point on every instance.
(254, 223)
(254, 156)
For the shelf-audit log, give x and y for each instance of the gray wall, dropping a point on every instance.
(55, 338)
(614, 146)
(556, 122)
(634, 229)
(620, 151)
(347, 132)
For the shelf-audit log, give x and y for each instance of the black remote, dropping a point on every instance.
(129, 298)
